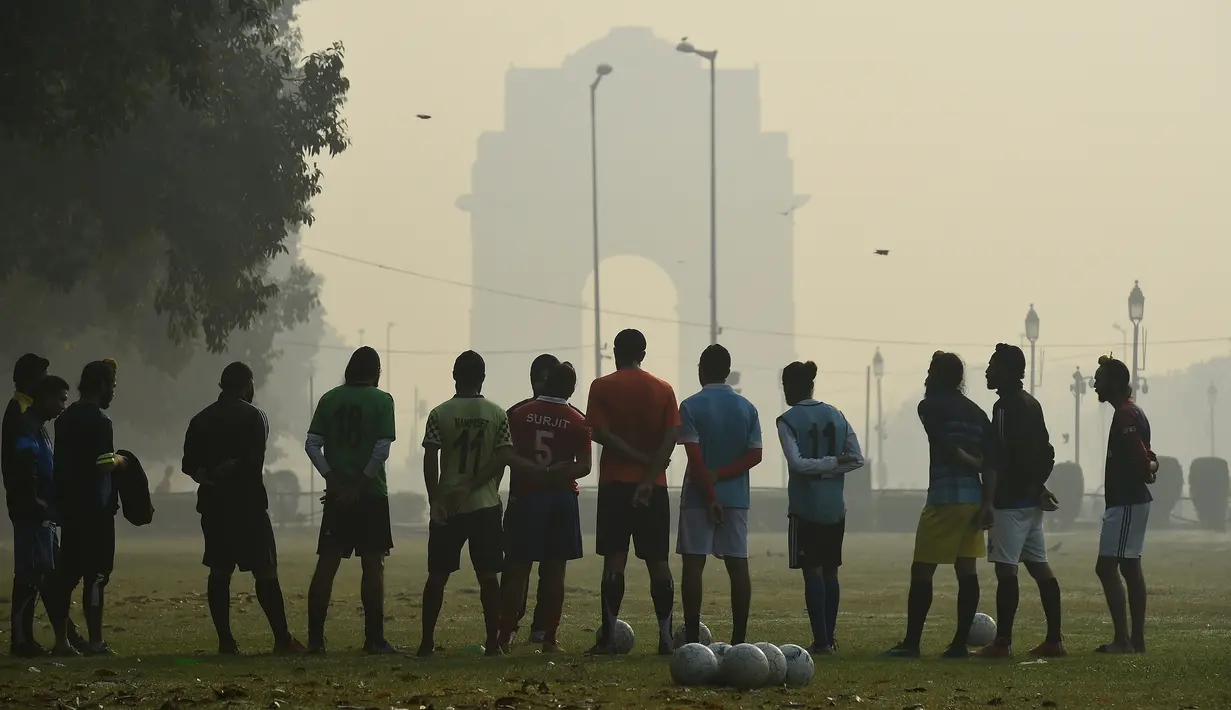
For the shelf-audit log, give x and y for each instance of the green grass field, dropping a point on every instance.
(160, 628)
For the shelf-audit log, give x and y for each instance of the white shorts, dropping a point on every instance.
(1016, 536)
(1124, 531)
(698, 536)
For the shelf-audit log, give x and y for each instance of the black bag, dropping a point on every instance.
(134, 489)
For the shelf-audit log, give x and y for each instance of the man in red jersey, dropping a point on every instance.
(635, 417)
(542, 522)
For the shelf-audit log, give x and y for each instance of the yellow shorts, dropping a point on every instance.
(948, 532)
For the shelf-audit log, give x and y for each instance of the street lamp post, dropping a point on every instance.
(600, 71)
(1078, 388)
(1032, 334)
(1213, 393)
(878, 369)
(1136, 311)
(711, 55)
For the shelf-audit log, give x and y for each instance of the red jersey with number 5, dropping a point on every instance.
(549, 431)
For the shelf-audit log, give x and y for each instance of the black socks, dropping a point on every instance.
(612, 596)
(218, 595)
(1007, 594)
(967, 607)
(918, 603)
(662, 592)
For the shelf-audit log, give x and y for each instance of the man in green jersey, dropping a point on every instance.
(348, 443)
(466, 446)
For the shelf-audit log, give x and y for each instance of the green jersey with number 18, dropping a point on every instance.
(351, 419)
(468, 431)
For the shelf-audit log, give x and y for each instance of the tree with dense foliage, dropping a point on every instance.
(156, 161)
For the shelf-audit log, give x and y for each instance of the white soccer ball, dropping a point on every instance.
(745, 667)
(777, 663)
(693, 664)
(720, 650)
(622, 637)
(679, 638)
(982, 631)
(799, 665)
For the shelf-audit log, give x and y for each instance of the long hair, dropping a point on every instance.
(947, 373)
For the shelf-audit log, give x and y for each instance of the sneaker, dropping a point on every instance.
(380, 647)
(98, 649)
(289, 647)
(27, 649)
(1049, 649)
(902, 650)
(817, 649)
(538, 636)
(67, 650)
(426, 649)
(600, 649)
(316, 645)
(493, 651)
(228, 648)
(956, 652)
(994, 651)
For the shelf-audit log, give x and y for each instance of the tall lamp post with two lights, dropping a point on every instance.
(600, 71)
(711, 55)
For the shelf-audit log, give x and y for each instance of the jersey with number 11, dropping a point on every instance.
(548, 431)
(468, 431)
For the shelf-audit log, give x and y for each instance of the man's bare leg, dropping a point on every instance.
(1107, 569)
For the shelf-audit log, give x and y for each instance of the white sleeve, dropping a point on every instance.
(851, 449)
(797, 464)
(315, 446)
(380, 454)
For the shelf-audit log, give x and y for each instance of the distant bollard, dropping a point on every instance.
(1208, 484)
(1068, 484)
(1166, 491)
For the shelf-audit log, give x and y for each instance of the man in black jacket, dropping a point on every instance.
(224, 452)
(1023, 457)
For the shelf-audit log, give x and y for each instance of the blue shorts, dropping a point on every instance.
(544, 525)
(36, 547)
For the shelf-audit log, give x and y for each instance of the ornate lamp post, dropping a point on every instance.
(1078, 388)
(1032, 334)
(1136, 311)
(878, 369)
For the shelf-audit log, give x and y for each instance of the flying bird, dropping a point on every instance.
(882, 252)
(422, 115)
(684, 39)
(1066, 438)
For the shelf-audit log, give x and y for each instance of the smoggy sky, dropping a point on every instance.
(1007, 153)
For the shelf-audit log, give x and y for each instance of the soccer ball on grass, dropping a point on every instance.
(693, 664)
(982, 631)
(777, 663)
(745, 667)
(622, 637)
(799, 665)
(679, 638)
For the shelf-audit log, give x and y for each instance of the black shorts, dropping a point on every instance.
(481, 529)
(812, 544)
(543, 526)
(239, 539)
(648, 526)
(360, 528)
(87, 547)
